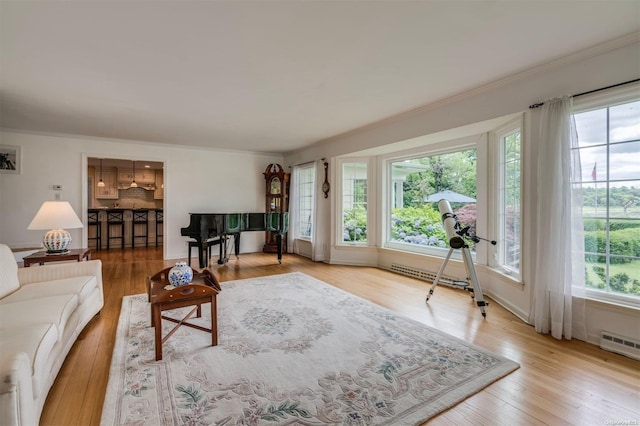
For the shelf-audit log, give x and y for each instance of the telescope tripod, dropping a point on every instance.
(475, 290)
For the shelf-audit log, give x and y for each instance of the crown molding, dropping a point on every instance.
(138, 142)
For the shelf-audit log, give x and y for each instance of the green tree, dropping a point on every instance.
(455, 171)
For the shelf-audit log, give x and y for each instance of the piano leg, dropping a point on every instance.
(236, 244)
(279, 244)
(202, 249)
(224, 241)
(221, 256)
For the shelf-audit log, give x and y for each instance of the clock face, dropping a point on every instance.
(275, 186)
(325, 187)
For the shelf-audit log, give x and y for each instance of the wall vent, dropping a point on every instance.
(426, 275)
(620, 344)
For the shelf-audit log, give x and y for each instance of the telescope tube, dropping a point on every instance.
(450, 224)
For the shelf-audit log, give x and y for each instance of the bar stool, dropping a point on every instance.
(140, 220)
(93, 218)
(115, 220)
(159, 222)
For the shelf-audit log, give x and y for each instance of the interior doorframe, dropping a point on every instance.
(85, 191)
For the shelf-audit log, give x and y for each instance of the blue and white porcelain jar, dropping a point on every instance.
(181, 274)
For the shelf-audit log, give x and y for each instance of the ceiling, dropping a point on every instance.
(269, 76)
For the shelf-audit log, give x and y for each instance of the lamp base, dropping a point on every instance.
(56, 241)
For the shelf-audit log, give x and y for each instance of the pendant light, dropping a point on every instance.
(133, 182)
(101, 183)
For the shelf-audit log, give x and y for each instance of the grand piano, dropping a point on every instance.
(205, 226)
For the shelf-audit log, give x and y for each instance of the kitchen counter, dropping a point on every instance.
(153, 231)
(104, 209)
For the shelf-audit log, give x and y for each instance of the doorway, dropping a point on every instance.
(126, 199)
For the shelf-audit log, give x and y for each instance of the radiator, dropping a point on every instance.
(427, 275)
(620, 344)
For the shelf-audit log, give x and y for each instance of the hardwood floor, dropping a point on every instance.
(559, 382)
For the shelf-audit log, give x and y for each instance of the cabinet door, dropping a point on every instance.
(158, 194)
(142, 176)
(146, 176)
(125, 175)
(110, 189)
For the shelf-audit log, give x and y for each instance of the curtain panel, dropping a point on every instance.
(559, 266)
(294, 213)
(321, 212)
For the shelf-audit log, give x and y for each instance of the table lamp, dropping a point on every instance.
(55, 215)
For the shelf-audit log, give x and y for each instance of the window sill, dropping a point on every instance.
(613, 299)
(508, 278)
(437, 252)
(362, 244)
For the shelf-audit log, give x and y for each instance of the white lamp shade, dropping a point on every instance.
(55, 215)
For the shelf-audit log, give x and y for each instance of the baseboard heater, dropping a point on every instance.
(620, 344)
(425, 275)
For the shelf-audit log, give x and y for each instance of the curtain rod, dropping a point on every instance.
(306, 162)
(591, 91)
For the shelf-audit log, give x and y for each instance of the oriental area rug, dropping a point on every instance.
(292, 350)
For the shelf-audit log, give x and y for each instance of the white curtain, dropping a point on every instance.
(558, 275)
(321, 215)
(294, 214)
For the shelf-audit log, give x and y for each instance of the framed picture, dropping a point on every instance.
(10, 159)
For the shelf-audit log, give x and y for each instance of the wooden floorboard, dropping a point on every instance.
(559, 382)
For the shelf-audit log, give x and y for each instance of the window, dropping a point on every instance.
(354, 202)
(509, 195)
(417, 184)
(304, 179)
(609, 150)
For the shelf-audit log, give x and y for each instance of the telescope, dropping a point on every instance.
(455, 232)
(457, 235)
(451, 225)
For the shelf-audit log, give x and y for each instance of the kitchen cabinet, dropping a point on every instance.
(110, 189)
(158, 193)
(143, 177)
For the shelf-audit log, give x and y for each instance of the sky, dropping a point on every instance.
(624, 152)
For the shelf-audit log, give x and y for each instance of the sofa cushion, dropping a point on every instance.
(82, 286)
(52, 309)
(37, 341)
(8, 271)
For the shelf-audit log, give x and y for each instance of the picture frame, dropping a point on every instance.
(10, 159)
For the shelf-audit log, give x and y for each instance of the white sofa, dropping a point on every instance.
(43, 309)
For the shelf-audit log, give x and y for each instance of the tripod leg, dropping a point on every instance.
(435, 282)
(471, 273)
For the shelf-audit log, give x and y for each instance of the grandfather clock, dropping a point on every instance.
(277, 201)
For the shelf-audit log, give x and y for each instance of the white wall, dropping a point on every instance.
(195, 180)
(604, 65)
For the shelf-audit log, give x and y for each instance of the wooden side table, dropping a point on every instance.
(42, 257)
(203, 288)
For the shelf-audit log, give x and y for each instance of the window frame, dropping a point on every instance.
(600, 100)
(448, 147)
(312, 184)
(496, 228)
(340, 194)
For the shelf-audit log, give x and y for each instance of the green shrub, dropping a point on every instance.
(418, 225)
(624, 242)
(614, 225)
(355, 225)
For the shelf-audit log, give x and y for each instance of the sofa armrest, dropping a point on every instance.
(61, 271)
(16, 390)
